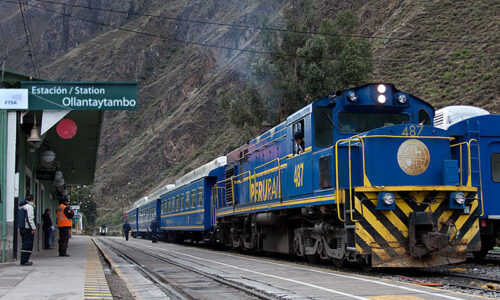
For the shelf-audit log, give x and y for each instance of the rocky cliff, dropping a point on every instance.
(445, 52)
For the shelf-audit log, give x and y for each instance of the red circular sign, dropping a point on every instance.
(66, 129)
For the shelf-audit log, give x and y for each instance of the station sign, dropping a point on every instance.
(13, 99)
(68, 95)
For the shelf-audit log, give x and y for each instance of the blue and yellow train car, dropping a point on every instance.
(186, 209)
(477, 148)
(361, 176)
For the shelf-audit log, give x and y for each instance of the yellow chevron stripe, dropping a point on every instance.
(405, 208)
(379, 227)
(368, 239)
(463, 218)
(473, 230)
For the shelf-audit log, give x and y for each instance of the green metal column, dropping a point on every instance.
(3, 180)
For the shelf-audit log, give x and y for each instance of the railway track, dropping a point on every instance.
(179, 281)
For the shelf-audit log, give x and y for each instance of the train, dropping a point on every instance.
(477, 134)
(360, 175)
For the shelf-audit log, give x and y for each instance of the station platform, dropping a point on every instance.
(79, 276)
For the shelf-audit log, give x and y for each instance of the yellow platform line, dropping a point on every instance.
(96, 286)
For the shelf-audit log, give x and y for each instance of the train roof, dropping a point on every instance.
(201, 172)
(449, 115)
(163, 190)
(308, 109)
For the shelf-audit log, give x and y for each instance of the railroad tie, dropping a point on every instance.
(96, 286)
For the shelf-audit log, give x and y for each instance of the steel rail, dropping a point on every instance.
(250, 291)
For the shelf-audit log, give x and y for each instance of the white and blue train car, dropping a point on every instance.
(477, 148)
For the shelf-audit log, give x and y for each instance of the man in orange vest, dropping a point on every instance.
(64, 223)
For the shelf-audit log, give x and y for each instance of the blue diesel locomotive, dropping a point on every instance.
(360, 176)
(477, 135)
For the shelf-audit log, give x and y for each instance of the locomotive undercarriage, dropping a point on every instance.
(311, 232)
(419, 234)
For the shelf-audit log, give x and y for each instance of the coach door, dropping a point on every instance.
(298, 179)
(491, 182)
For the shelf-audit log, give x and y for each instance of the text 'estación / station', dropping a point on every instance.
(82, 95)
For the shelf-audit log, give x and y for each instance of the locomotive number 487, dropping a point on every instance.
(412, 130)
(298, 177)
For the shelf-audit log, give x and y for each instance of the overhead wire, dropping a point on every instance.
(26, 33)
(255, 51)
(33, 48)
(246, 26)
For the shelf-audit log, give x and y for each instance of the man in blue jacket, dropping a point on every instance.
(26, 224)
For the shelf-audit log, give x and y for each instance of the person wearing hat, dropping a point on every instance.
(27, 228)
(64, 223)
(298, 137)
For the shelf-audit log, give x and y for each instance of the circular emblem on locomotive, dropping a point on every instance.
(413, 157)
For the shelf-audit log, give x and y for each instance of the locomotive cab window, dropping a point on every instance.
(356, 122)
(323, 126)
(423, 117)
(495, 167)
(298, 138)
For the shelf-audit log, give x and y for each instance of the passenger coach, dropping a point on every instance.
(477, 148)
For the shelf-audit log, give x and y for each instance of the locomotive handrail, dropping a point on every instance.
(337, 185)
(271, 135)
(469, 169)
(366, 181)
(262, 146)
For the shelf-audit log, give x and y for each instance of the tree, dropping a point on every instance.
(313, 59)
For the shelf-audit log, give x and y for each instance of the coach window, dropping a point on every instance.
(298, 127)
(323, 126)
(182, 202)
(177, 203)
(193, 198)
(424, 118)
(200, 197)
(186, 205)
(495, 167)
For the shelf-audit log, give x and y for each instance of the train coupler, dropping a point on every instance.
(424, 238)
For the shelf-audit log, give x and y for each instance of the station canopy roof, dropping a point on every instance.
(77, 156)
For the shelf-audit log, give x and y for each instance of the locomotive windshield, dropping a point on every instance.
(356, 122)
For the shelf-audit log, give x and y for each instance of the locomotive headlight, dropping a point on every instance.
(459, 198)
(388, 198)
(402, 99)
(352, 97)
(381, 88)
(381, 99)
(386, 201)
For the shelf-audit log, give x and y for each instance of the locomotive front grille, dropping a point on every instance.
(421, 231)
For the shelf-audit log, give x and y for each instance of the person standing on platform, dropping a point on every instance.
(47, 229)
(126, 229)
(154, 231)
(64, 223)
(26, 224)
